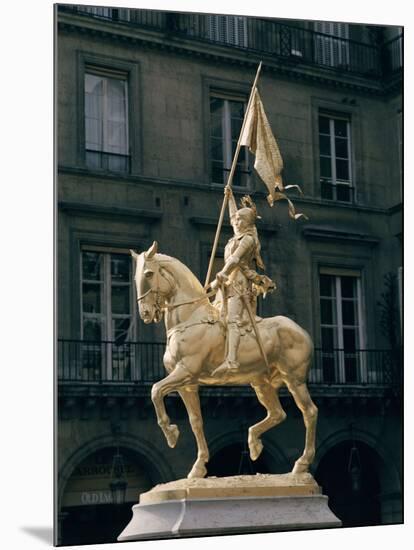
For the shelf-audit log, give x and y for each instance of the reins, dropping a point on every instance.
(193, 301)
(173, 306)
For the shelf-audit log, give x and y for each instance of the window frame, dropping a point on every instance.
(339, 353)
(122, 77)
(103, 350)
(112, 67)
(106, 297)
(340, 326)
(227, 142)
(78, 240)
(351, 109)
(335, 181)
(237, 91)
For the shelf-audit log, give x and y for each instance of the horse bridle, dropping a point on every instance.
(159, 294)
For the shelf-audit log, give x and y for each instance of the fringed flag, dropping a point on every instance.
(257, 135)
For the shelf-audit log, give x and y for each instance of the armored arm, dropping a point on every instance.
(245, 246)
(232, 202)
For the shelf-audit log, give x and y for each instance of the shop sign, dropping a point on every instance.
(96, 497)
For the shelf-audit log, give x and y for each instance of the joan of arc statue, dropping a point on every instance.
(239, 276)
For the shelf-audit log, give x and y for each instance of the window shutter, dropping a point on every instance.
(241, 23)
(227, 29)
(231, 30)
(331, 51)
(212, 27)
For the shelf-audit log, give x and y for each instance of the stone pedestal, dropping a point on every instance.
(230, 505)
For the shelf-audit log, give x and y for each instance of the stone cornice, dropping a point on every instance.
(331, 234)
(197, 47)
(133, 179)
(212, 222)
(101, 210)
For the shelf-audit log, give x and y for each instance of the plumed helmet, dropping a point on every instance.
(248, 214)
(248, 210)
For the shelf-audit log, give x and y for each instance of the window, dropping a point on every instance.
(228, 29)
(341, 326)
(335, 158)
(97, 11)
(116, 14)
(331, 44)
(107, 307)
(226, 119)
(106, 121)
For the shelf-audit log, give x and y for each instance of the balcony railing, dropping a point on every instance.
(357, 367)
(393, 55)
(294, 45)
(141, 363)
(98, 362)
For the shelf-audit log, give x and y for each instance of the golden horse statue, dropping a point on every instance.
(196, 342)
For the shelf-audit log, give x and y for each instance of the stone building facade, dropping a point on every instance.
(149, 105)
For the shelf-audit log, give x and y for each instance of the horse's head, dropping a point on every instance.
(154, 285)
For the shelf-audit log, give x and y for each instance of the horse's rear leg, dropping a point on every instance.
(191, 400)
(267, 395)
(309, 411)
(176, 379)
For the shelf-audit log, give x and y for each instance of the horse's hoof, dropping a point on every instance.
(197, 472)
(172, 433)
(256, 449)
(300, 467)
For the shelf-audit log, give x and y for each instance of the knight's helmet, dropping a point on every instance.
(248, 210)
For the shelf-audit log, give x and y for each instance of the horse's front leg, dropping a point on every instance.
(175, 380)
(309, 410)
(191, 400)
(267, 396)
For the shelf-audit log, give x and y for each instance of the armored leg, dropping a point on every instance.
(233, 341)
(235, 310)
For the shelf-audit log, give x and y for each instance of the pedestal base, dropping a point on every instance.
(219, 506)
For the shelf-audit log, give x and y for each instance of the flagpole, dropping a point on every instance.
(230, 180)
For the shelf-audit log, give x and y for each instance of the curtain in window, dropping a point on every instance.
(106, 114)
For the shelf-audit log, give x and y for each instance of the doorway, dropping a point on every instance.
(348, 475)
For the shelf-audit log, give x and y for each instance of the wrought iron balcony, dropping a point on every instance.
(392, 55)
(82, 362)
(294, 45)
(109, 362)
(355, 368)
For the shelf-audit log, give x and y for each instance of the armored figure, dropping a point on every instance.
(239, 279)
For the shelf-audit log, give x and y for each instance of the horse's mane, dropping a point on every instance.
(179, 271)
